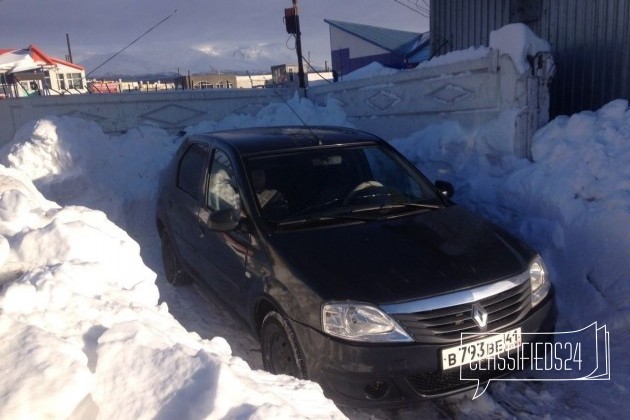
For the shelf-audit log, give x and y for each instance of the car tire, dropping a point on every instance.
(281, 351)
(173, 270)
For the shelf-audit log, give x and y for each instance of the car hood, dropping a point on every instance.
(404, 258)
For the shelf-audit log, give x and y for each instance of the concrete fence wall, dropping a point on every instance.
(472, 92)
(170, 110)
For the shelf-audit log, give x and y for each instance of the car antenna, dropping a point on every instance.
(319, 141)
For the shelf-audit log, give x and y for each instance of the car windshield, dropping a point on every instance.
(338, 182)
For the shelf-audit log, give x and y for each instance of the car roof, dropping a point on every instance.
(249, 141)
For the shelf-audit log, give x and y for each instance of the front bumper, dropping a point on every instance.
(369, 375)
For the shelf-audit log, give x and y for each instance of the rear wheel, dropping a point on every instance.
(173, 269)
(280, 349)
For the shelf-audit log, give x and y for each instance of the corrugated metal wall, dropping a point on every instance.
(459, 24)
(590, 40)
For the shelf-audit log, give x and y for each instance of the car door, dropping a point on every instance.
(224, 252)
(185, 202)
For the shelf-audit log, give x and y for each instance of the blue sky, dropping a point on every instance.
(220, 28)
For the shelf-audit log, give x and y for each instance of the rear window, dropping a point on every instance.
(191, 171)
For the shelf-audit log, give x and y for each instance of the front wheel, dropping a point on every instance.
(280, 349)
(173, 269)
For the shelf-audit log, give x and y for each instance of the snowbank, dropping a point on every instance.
(83, 333)
(71, 158)
(280, 113)
(373, 69)
(472, 53)
(572, 203)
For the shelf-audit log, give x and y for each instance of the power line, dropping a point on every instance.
(418, 6)
(132, 42)
(315, 70)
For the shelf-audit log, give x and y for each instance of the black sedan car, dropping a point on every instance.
(351, 267)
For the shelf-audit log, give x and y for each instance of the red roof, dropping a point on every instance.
(39, 56)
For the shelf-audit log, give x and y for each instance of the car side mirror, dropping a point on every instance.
(224, 220)
(445, 188)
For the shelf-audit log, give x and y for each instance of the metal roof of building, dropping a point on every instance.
(423, 53)
(404, 43)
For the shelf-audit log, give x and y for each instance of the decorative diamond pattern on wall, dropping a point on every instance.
(383, 100)
(171, 115)
(450, 93)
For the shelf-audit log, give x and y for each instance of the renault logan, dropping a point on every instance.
(350, 266)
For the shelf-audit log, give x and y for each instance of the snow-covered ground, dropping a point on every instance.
(84, 335)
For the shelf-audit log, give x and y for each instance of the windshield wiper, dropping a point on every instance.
(427, 206)
(356, 214)
(322, 218)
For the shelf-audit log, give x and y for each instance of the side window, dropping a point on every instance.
(191, 171)
(222, 187)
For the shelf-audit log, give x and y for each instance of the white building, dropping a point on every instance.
(253, 81)
(30, 71)
(286, 75)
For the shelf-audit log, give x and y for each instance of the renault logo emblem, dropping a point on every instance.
(479, 315)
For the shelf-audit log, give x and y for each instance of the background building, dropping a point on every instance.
(30, 71)
(286, 75)
(206, 81)
(353, 46)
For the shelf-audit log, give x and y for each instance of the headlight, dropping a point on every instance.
(361, 322)
(539, 281)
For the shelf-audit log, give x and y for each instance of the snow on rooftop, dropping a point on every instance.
(16, 61)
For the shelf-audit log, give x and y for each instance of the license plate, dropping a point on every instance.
(492, 345)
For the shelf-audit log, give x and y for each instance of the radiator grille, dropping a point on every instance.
(447, 324)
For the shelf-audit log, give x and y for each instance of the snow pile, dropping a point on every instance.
(280, 113)
(70, 159)
(373, 69)
(519, 42)
(83, 333)
(472, 53)
(572, 203)
(516, 40)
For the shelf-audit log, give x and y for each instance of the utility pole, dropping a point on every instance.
(69, 50)
(292, 22)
